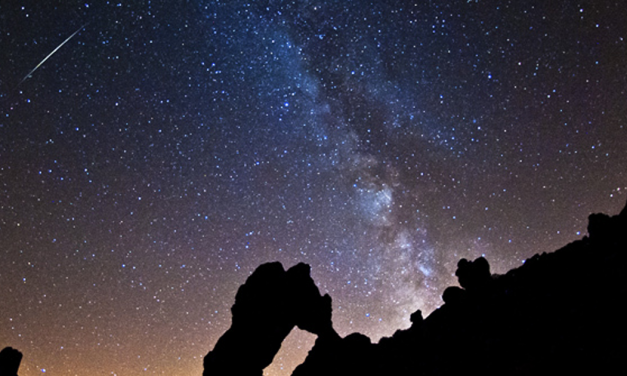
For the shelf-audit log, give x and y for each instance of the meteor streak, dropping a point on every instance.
(47, 57)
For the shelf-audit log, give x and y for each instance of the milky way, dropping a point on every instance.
(165, 151)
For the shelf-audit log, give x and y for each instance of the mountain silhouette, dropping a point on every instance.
(558, 313)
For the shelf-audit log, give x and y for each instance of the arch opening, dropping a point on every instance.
(294, 350)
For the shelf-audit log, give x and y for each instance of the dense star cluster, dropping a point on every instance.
(151, 163)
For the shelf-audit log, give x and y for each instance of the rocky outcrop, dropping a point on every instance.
(558, 313)
(10, 360)
(335, 356)
(473, 275)
(267, 307)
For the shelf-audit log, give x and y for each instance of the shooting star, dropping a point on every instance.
(47, 57)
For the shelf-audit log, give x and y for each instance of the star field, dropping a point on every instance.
(165, 151)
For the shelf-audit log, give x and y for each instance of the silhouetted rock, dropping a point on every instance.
(266, 309)
(416, 317)
(10, 360)
(473, 274)
(338, 356)
(454, 295)
(559, 313)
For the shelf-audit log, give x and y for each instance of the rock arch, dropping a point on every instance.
(267, 307)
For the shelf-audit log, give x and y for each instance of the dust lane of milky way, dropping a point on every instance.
(153, 162)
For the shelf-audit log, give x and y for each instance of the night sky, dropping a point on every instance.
(169, 148)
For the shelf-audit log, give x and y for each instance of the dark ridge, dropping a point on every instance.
(558, 313)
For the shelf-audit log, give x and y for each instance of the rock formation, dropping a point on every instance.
(559, 313)
(267, 307)
(10, 360)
